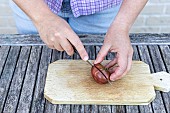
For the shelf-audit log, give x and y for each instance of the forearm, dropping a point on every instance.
(128, 12)
(35, 9)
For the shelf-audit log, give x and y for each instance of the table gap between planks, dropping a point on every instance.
(24, 61)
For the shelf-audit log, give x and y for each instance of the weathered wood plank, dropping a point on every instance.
(63, 109)
(132, 109)
(66, 56)
(143, 55)
(7, 74)
(91, 52)
(155, 55)
(135, 53)
(105, 109)
(165, 51)
(51, 108)
(29, 81)
(56, 55)
(110, 56)
(16, 84)
(118, 109)
(158, 64)
(157, 104)
(146, 109)
(97, 51)
(87, 39)
(3, 56)
(77, 108)
(76, 55)
(38, 101)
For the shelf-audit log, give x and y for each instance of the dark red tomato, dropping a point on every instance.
(98, 76)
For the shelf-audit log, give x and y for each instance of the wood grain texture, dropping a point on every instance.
(149, 56)
(64, 74)
(118, 109)
(38, 100)
(87, 39)
(17, 81)
(165, 52)
(7, 74)
(135, 54)
(142, 51)
(158, 66)
(29, 81)
(132, 109)
(15, 64)
(3, 56)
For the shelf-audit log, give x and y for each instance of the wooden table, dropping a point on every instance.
(24, 61)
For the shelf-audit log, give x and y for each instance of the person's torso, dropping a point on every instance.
(81, 7)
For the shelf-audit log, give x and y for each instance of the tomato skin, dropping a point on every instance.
(98, 76)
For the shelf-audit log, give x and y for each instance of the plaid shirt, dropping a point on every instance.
(81, 7)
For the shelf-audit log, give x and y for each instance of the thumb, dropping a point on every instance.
(102, 53)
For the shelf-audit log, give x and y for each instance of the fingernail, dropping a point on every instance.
(85, 58)
(112, 78)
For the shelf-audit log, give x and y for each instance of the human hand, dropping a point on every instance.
(117, 40)
(57, 34)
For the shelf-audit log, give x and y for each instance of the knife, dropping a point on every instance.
(75, 50)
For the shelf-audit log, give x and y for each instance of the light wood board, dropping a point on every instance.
(70, 82)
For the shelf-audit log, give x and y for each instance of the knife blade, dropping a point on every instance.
(100, 71)
(75, 50)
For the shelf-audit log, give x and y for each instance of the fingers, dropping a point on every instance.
(102, 53)
(111, 63)
(58, 47)
(128, 67)
(74, 39)
(129, 62)
(61, 43)
(67, 46)
(121, 69)
(124, 65)
(57, 33)
(53, 43)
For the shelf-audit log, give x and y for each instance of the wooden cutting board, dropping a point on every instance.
(70, 82)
